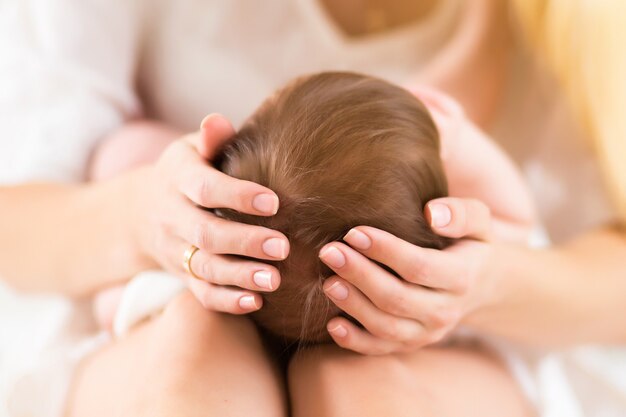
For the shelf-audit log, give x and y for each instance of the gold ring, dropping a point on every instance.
(187, 260)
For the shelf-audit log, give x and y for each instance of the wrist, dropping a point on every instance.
(133, 215)
(499, 284)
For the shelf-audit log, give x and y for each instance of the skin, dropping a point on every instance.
(481, 45)
(438, 289)
(328, 381)
(174, 365)
(143, 219)
(315, 374)
(129, 241)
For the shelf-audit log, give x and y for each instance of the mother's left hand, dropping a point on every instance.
(438, 287)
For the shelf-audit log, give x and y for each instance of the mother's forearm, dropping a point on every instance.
(68, 238)
(569, 294)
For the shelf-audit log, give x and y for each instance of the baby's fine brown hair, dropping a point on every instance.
(340, 150)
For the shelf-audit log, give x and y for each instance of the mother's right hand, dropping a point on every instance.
(170, 216)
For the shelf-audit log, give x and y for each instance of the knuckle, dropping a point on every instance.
(203, 189)
(374, 347)
(239, 197)
(206, 271)
(205, 299)
(480, 207)
(421, 270)
(415, 332)
(429, 339)
(435, 337)
(443, 317)
(173, 154)
(160, 241)
(246, 243)
(437, 319)
(203, 237)
(242, 276)
(377, 351)
(395, 303)
(462, 284)
(391, 331)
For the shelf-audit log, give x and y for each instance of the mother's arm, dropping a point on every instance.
(68, 238)
(488, 279)
(561, 295)
(96, 234)
(569, 294)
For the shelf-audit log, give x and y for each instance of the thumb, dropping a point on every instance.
(215, 130)
(459, 218)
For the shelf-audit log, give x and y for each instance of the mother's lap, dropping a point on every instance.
(188, 361)
(329, 381)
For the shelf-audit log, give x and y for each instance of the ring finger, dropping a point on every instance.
(212, 296)
(226, 270)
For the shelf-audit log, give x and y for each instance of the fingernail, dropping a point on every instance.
(263, 279)
(440, 215)
(338, 291)
(275, 247)
(333, 257)
(266, 203)
(338, 331)
(248, 302)
(358, 239)
(206, 120)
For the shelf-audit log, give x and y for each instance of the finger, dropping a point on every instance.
(224, 299)
(211, 296)
(220, 236)
(384, 325)
(210, 188)
(219, 269)
(349, 336)
(431, 268)
(232, 271)
(215, 130)
(459, 217)
(432, 309)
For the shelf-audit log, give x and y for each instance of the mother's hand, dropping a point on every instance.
(436, 289)
(170, 215)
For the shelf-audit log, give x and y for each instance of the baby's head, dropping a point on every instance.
(340, 150)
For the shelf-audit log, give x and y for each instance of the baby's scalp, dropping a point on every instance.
(340, 150)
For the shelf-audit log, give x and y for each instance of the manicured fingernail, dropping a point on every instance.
(207, 119)
(248, 302)
(266, 203)
(263, 279)
(338, 291)
(358, 239)
(333, 257)
(275, 247)
(338, 331)
(440, 215)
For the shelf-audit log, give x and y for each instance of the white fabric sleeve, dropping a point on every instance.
(67, 72)
(145, 295)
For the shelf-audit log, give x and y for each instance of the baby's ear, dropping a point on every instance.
(215, 131)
